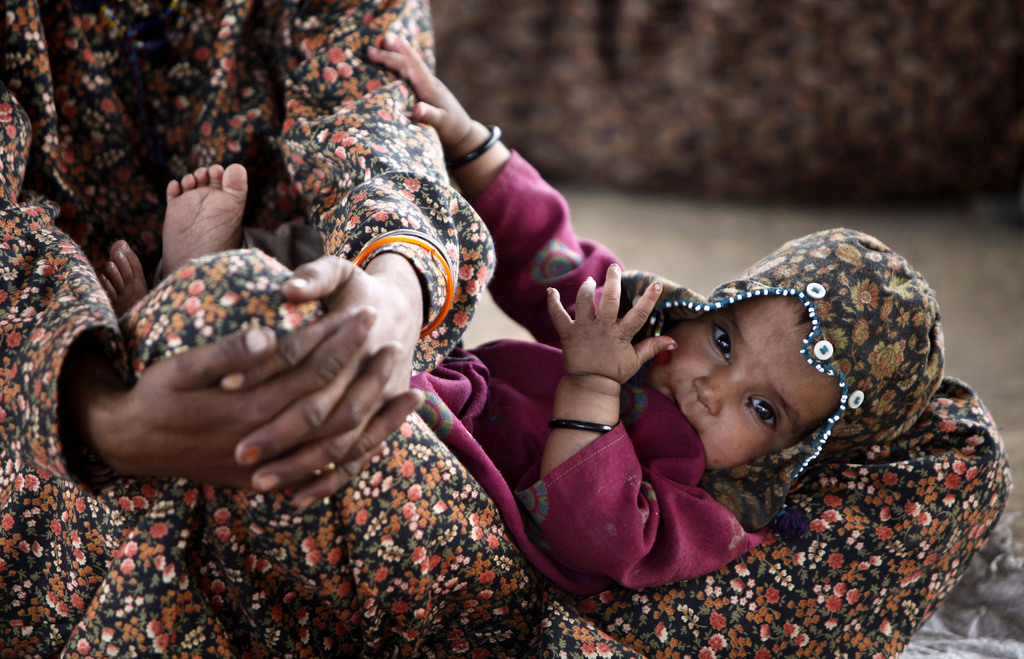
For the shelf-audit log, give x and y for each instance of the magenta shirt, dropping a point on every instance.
(625, 509)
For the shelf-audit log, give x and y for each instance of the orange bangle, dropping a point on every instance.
(439, 256)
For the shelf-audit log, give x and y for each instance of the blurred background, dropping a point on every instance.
(694, 137)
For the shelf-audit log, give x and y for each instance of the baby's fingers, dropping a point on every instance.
(424, 84)
(394, 53)
(560, 318)
(429, 114)
(653, 346)
(398, 55)
(608, 308)
(585, 308)
(635, 318)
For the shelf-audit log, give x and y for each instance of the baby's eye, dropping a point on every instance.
(723, 342)
(764, 410)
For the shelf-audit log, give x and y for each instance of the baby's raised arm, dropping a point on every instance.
(599, 357)
(459, 133)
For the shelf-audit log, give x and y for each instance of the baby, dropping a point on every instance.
(649, 435)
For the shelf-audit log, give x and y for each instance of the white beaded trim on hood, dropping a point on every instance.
(819, 438)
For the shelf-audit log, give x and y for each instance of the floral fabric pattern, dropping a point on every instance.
(888, 540)
(412, 558)
(874, 327)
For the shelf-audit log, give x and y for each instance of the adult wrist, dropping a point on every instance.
(421, 255)
(398, 273)
(90, 395)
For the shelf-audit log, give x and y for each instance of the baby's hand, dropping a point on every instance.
(437, 106)
(598, 342)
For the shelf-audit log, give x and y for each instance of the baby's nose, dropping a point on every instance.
(708, 394)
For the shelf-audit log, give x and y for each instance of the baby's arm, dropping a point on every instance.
(437, 107)
(528, 219)
(599, 357)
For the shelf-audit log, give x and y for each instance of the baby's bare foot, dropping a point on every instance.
(122, 278)
(204, 213)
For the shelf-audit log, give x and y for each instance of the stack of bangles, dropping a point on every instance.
(477, 152)
(422, 241)
(436, 252)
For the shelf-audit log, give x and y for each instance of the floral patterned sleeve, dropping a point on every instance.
(49, 295)
(375, 183)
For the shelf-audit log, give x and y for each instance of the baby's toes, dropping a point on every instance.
(108, 288)
(113, 276)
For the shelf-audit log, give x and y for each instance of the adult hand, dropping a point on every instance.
(179, 420)
(187, 416)
(368, 402)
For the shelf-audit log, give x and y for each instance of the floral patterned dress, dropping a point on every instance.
(412, 557)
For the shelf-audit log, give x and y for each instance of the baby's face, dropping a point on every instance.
(741, 381)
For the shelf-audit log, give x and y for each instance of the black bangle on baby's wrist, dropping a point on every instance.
(492, 139)
(573, 424)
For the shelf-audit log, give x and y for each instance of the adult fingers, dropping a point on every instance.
(319, 278)
(202, 366)
(358, 448)
(321, 341)
(339, 406)
(366, 394)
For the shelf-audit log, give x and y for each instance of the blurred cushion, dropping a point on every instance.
(760, 100)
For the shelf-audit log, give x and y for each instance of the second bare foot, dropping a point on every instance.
(122, 278)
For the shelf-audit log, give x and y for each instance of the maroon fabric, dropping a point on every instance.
(626, 509)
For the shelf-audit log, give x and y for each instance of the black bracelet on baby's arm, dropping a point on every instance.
(477, 152)
(572, 424)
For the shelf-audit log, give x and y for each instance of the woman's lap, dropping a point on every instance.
(411, 557)
(411, 554)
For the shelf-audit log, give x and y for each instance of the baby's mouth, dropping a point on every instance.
(690, 402)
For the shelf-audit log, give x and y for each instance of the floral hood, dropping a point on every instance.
(874, 327)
